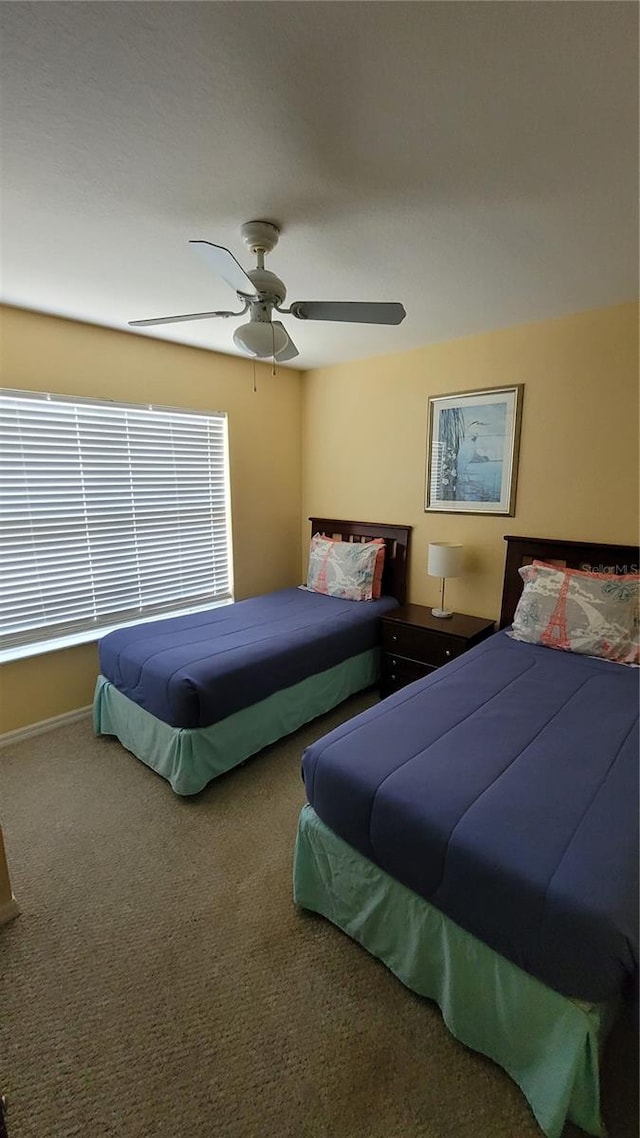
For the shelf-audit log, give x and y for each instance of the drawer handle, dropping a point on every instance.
(393, 663)
(394, 636)
(393, 675)
(447, 651)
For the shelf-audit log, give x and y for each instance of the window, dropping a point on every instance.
(109, 513)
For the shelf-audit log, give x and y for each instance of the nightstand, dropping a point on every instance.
(414, 643)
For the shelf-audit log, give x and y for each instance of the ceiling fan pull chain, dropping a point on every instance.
(254, 376)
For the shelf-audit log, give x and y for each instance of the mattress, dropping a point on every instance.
(196, 670)
(503, 789)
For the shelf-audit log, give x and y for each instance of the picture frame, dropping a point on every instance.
(473, 440)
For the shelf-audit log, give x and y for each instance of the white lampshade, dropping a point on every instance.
(260, 338)
(444, 559)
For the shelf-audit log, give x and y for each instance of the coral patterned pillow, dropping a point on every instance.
(376, 590)
(343, 568)
(591, 613)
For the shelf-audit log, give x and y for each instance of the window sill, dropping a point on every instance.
(89, 635)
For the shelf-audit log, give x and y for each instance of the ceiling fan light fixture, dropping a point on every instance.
(260, 339)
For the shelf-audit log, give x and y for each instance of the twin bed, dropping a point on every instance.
(476, 831)
(195, 695)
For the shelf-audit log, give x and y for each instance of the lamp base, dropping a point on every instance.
(441, 612)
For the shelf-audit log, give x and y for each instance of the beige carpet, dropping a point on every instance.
(160, 981)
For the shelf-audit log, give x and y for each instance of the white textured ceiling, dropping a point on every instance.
(476, 161)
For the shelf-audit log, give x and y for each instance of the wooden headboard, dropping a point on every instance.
(396, 539)
(589, 555)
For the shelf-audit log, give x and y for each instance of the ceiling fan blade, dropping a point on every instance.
(354, 311)
(223, 262)
(290, 351)
(177, 319)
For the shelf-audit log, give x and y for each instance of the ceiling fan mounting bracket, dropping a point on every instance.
(260, 236)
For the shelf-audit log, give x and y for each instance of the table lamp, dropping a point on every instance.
(444, 560)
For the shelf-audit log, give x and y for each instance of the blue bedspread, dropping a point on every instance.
(504, 790)
(195, 670)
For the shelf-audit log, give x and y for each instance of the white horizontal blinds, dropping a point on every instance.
(108, 512)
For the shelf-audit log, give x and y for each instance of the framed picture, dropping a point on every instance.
(472, 451)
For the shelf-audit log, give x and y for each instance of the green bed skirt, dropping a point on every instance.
(189, 758)
(550, 1045)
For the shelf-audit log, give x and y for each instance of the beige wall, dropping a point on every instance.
(361, 452)
(43, 353)
(364, 449)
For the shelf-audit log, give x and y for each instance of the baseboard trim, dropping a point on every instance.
(8, 911)
(43, 726)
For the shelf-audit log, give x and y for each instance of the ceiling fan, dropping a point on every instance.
(260, 292)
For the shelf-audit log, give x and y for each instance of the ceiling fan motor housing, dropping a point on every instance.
(269, 287)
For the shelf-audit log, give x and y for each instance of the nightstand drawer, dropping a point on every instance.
(396, 672)
(434, 648)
